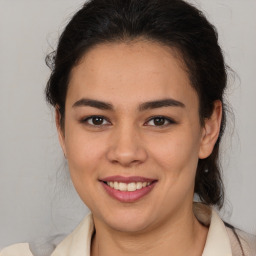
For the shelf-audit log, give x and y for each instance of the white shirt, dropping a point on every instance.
(220, 241)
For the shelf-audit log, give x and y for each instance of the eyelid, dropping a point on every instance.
(85, 120)
(170, 121)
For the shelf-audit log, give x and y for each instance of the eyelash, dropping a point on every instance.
(85, 121)
(166, 119)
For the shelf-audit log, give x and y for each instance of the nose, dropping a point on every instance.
(126, 148)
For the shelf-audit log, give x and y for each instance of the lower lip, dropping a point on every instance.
(128, 196)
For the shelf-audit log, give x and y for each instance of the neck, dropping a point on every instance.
(179, 235)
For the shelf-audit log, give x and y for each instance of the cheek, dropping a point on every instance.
(83, 155)
(84, 151)
(177, 153)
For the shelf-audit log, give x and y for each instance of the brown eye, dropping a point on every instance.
(160, 121)
(96, 121)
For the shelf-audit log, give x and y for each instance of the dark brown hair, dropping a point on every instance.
(174, 23)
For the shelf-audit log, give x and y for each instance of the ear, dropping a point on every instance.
(60, 130)
(211, 131)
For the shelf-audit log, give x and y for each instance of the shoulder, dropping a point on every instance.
(223, 238)
(78, 241)
(242, 243)
(56, 245)
(21, 249)
(41, 246)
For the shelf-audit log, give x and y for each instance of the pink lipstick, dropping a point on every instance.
(127, 189)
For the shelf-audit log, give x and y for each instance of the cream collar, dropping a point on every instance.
(79, 241)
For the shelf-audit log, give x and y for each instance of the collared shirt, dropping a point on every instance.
(220, 239)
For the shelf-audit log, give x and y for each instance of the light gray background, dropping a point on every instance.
(36, 198)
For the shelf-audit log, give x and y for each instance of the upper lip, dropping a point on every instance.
(130, 179)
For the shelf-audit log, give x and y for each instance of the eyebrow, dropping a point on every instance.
(160, 104)
(93, 103)
(144, 106)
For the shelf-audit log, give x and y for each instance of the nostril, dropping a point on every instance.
(127, 156)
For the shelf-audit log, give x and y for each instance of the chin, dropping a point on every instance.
(129, 226)
(128, 220)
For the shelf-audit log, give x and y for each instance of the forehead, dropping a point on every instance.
(128, 73)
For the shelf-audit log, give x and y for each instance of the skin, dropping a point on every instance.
(129, 143)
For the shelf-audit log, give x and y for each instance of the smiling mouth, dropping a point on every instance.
(128, 189)
(132, 186)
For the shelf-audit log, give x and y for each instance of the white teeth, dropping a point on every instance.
(122, 186)
(116, 186)
(133, 186)
(139, 185)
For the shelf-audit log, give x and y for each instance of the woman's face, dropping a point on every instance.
(132, 134)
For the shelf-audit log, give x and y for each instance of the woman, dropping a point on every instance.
(138, 88)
